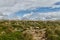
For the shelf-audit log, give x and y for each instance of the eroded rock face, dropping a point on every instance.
(37, 34)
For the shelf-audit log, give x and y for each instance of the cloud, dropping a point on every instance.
(9, 7)
(15, 5)
(57, 3)
(40, 9)
(42, 16)
(27, 15)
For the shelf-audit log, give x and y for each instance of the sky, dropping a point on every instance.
(30, 9)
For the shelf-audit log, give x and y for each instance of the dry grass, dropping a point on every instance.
(13, 30)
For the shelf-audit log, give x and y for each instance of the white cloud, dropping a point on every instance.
(42, 16)
(28, 15)
(15, 5)
(8, 7)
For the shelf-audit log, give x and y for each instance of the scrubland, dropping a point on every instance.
(27, 30)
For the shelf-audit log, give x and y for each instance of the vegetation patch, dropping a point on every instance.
(29, 30)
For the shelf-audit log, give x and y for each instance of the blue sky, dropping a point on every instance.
(30, 9)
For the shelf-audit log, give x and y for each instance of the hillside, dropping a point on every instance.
(29, 30)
